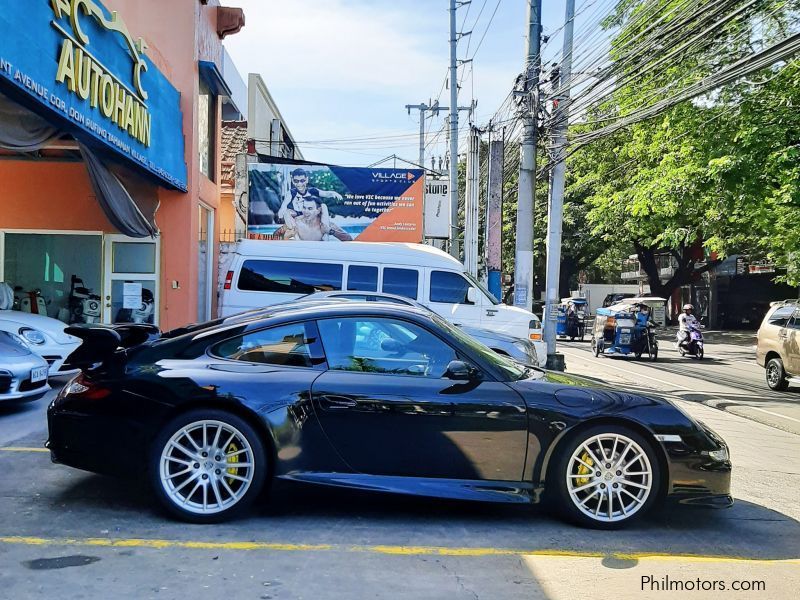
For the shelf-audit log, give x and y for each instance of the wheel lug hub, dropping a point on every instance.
(196, 465)
(602, 486)
(217, 471)
(217, 458)
(205, 476)
(598, 474)
(619, 473)
(615, 485)
(205, 454)
(608, 465)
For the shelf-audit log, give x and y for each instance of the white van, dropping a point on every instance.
(261, 273)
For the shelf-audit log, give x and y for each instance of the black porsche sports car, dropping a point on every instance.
(374, 397)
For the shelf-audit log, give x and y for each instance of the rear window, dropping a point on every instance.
(362, 278)
(781, 316)
(289, 277)
(401, 282)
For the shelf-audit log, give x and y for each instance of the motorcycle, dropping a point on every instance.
(30, 302)
(84, 306)
(692, 344)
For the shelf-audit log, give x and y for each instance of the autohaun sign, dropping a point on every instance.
(80, 62)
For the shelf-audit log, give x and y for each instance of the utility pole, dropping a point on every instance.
(471, 202)
(555, 212)
(526, 195)
(454, 248)
(494, 218)
(423, 108)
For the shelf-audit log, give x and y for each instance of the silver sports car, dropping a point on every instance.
(23, 374)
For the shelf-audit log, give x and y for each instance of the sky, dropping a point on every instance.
(344, 69)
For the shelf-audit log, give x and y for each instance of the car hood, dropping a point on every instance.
(584, 394)
(52, 327)
(487, 333)
(10, 349)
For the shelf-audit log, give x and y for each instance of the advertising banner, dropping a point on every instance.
(80, 66)
(437, 208)
(331, 203)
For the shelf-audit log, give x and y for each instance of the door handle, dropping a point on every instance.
(336, 402)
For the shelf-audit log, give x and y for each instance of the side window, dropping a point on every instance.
(389, 346)
(794, 322)
(781, 316)
(403, 282)
(449, 287)
(361, 278)
(289, 277)
(287, 345)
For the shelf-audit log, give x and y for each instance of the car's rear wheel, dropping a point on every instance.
(605, 477)
(776, 375)
(207, 466)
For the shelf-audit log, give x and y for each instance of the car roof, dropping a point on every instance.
(307, 311)
(394, 253)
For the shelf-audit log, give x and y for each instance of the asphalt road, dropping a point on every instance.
(69, 534)
(727, 378)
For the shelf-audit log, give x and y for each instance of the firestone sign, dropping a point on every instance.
(79, 62)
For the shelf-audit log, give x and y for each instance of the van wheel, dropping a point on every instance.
(776, 375)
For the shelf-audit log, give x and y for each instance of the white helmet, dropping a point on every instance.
(688, 307)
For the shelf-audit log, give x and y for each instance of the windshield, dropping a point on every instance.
(512, 370)
(479, 285)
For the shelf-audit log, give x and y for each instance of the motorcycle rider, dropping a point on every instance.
(686, 321)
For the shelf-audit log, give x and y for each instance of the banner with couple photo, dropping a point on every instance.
(330, 203)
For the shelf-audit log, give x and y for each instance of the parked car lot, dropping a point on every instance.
(44, 336)
(383, 398)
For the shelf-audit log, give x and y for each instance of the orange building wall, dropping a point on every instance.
(48, 195)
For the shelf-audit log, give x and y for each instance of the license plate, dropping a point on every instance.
(625, 338)
(38, 374)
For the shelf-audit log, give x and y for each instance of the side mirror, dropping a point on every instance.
(460, 371)
(472, 295)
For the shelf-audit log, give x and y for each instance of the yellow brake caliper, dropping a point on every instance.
(583, 470)
(232, 459)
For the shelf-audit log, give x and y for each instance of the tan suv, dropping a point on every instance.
(778, 348)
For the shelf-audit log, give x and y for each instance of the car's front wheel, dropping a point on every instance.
(776, 375)
(605, 477)
(207, 466)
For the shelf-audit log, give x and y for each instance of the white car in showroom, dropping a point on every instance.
(44, 336)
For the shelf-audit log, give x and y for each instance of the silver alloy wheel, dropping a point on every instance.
(206, 467)
(773, 377)
(609, 477)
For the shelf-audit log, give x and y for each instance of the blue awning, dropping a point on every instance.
(213, 78)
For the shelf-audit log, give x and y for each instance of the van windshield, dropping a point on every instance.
(479, 285)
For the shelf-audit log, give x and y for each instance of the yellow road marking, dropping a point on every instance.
(392, 550)
(22, 449)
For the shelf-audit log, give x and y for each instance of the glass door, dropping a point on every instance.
(130, 284)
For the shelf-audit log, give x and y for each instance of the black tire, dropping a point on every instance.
(700, 353)
(776, 375)
(560, 497)
(257, 473)
(596, 347)
(654, 354)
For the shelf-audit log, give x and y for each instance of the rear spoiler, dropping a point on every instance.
(101, 343)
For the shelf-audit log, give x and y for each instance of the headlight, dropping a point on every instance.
(32, 336)
(721, 454)
(526, 348)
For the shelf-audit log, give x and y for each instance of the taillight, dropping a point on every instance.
(228, 280)
(86, 389)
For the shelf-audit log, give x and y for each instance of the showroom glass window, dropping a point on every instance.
(289, 277)
(207, 131)
(449, 287)
(287, 345)
(402, 282)
(362, 278)
(386, 346)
